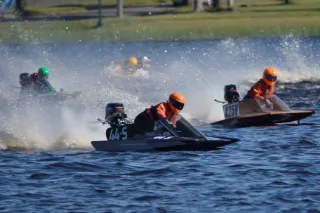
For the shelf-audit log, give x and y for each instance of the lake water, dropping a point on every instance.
(48, 164)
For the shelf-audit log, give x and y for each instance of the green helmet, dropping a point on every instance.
(43, 72)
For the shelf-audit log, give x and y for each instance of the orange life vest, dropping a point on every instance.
(160, 111)
(260, 89)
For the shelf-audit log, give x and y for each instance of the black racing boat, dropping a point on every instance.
(27, 93)
(123, 135)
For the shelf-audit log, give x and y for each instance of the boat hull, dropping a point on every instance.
(172, 144)
(265, 119)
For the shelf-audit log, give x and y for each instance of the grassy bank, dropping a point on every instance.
(261, 18)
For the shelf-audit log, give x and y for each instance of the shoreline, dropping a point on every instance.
(258, 20)
(162, 41)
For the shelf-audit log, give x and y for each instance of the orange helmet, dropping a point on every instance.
(133, 61)
(270, 76)
(176, 102)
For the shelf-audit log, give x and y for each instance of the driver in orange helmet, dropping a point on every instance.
(164, 110)
(264, 88)
(128, 67)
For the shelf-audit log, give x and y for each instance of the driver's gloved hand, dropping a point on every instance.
(173, 124)
(269, 104)
(170, 124)
(167, 122)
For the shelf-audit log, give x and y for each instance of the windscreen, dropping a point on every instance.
(183, 129)
(277, 104)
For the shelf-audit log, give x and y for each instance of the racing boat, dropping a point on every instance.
(123, 135)
(27, 92)
(120, 69)
(254, 112)
(48, 98)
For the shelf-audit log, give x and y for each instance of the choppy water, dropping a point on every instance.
(54, 168)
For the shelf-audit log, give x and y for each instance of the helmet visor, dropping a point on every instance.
(271, 78)
(176, 104)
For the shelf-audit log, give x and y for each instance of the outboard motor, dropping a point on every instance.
(115, 114)
(231, 94)
(24, 79)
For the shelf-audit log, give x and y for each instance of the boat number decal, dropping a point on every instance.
(231, 110)
(119, 133)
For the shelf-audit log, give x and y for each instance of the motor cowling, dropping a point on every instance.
(231, 94)
(24, 79)
(115, 113)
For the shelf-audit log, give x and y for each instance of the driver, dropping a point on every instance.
(128, 67)
(42, 84)
(167, 111)
(264, 88)
(132, 65)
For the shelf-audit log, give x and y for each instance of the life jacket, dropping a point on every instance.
(260, 89)
(151, 113)
(34, 78)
